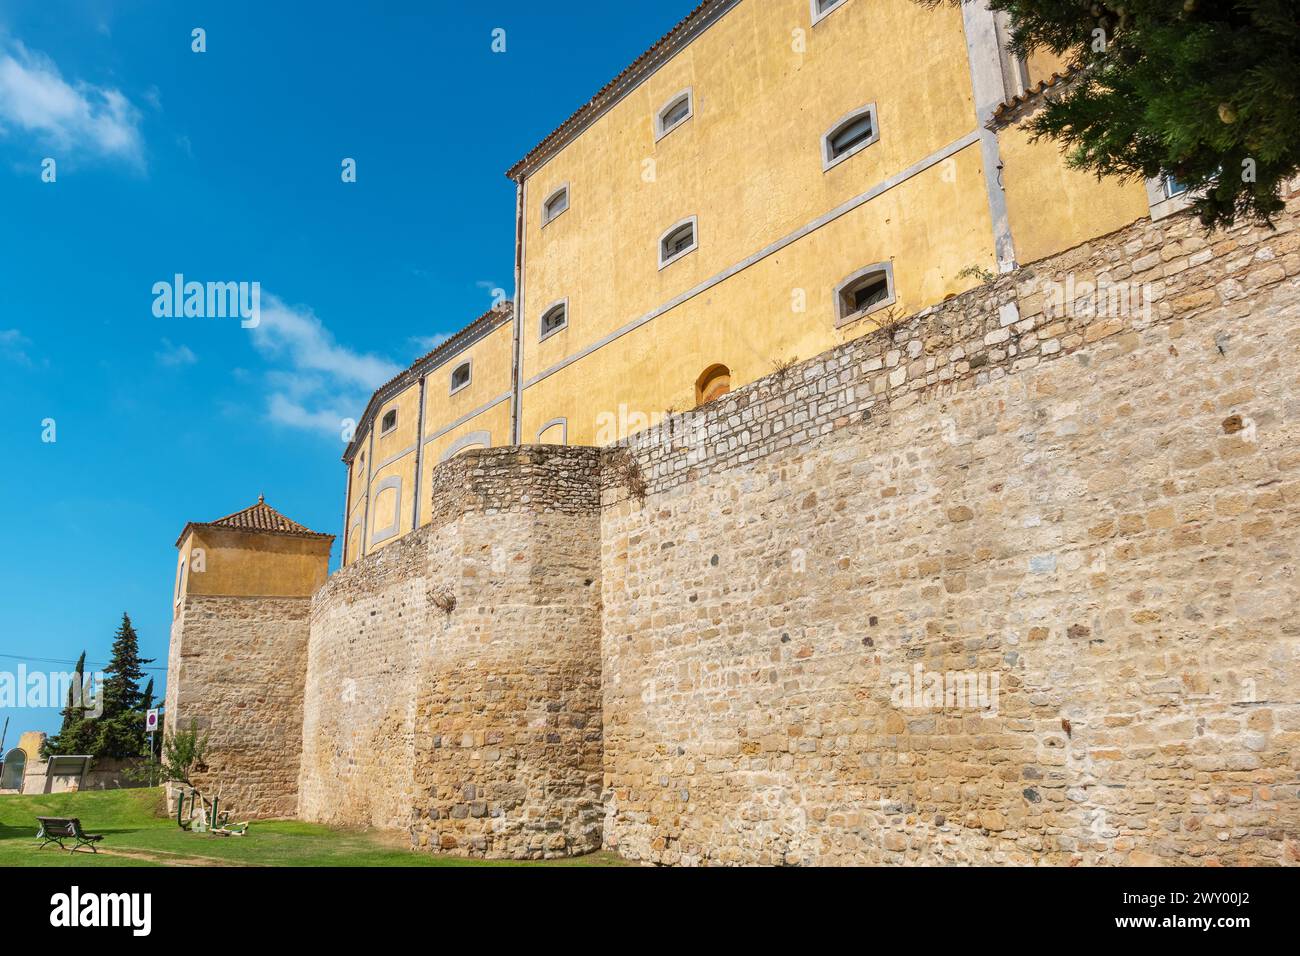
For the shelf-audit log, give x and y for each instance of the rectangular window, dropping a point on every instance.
(390, 422)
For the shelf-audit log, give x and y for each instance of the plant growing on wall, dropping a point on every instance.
(985, 276)
(627, 472)
(1205, 92)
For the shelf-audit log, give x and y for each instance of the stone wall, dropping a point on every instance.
(104, 774)
(370, 635)
(1084, 510)
(510, 730)
(469, 657)
(236, 671)
(1008, 581)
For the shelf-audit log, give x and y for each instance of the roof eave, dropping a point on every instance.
(471, 334)
(663, 50)
(211, 526)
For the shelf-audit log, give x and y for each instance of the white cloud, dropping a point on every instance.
(286, 411)
(35, 99)
(13, 347)
(427, 343)
(315, 383)
(175, 356)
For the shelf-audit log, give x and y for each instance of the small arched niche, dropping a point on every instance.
(712, 384)
(15, 765)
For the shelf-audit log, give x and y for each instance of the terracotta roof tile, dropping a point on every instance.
(1009, 107)
(260, 517)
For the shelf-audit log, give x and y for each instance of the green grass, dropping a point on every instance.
(133, 822)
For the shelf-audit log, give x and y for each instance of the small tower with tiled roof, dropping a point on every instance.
(238, 657)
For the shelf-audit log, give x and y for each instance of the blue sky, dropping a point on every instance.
(225, 166)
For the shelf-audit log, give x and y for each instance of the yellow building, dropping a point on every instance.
(255, 552)
(769, 180)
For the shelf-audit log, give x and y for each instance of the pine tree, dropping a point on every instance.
(1207, 92)
(120, 731)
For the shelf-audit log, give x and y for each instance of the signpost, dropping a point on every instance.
(151, 725)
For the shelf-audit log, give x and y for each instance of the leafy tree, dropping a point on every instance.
(1204, 90)
(183, 753)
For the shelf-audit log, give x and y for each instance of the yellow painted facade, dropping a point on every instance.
(386, 463)
(220, 562)
(1081, 208)
(944, 194)
(748, 164)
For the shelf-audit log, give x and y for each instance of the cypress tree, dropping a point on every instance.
(66, 740)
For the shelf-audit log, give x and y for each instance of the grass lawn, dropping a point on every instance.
(137, 833)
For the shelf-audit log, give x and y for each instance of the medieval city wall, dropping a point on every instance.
(236, 672)
(509, 726)
(454, 677)
(370, 629)
(1070, 500)
(1083, 516)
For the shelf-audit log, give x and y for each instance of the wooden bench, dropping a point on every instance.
(58, 829)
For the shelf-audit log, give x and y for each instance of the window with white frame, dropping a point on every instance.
(821, 9)
(680, 240)
(1166, 195)
(554, 319)
(389, 423)
(674, 113)
(556, 203)
(1171, 186)
(850, 136)
(864, 292)
(460, 377)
